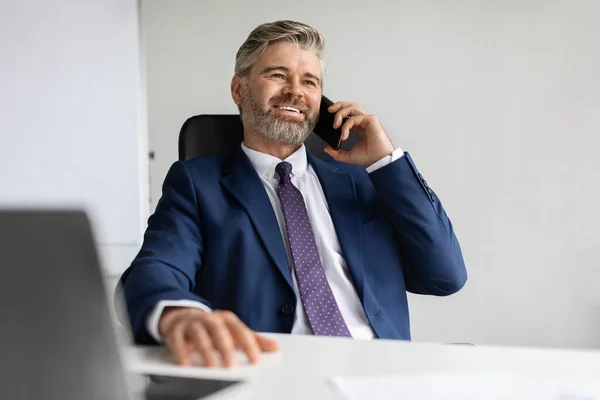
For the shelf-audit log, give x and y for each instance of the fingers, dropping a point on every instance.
(266, 344)
(339, 105)
(222, 340)
(244, 338)
(209, 333)
(344, 110)
(359, 122)
(203, 343)
(175, 341)
(349, 124)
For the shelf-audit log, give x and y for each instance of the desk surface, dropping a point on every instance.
(301, 370)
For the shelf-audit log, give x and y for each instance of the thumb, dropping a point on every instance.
(338, 155)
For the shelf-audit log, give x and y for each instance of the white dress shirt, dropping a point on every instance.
(332, 259)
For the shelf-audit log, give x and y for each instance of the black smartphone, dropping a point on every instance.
(324, 128)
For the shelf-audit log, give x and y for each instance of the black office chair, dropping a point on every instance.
(204, 135)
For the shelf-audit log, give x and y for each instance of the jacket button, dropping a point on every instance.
(421, 177)
(287, 310)
(430, 191)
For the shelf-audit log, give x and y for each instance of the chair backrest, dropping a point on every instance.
(204, 135)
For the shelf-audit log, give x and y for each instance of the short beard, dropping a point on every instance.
(280, 129)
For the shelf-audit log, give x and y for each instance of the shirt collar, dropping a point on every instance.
(265, 163)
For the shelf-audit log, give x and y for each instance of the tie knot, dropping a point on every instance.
(284, 169)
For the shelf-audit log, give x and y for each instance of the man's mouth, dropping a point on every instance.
(288, 109)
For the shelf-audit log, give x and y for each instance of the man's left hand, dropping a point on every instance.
(374, 142)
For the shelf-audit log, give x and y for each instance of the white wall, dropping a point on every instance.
(71, 115)
(497, 101)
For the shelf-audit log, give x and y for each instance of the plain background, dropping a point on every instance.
(497, 101)
(72, 116)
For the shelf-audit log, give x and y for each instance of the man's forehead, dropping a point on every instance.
(289, 56)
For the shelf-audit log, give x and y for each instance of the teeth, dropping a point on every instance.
(289, 109)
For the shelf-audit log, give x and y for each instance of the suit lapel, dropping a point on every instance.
(340, 193)
(246, 186)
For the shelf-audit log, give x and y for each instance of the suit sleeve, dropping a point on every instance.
(171, 254)
(431, 255)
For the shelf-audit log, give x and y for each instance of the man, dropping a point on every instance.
(272, 239)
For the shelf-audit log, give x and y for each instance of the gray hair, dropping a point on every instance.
(296, 33)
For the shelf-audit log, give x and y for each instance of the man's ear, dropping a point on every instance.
(236, 90)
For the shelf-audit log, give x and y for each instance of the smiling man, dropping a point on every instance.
(272, 239)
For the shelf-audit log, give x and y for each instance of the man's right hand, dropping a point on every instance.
(190, 330)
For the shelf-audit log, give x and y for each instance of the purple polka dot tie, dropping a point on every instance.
(319, 304)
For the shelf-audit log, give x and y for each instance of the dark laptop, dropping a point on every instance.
(56, 333)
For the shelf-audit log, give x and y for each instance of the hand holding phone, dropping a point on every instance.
(372, 141)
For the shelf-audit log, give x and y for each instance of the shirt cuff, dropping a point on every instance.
(396, 154)
(154, 317)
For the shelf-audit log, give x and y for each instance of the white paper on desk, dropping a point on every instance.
(464, 386)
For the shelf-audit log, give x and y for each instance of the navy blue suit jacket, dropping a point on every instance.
(214, 238)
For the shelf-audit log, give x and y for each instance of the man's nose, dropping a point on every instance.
(293, 88)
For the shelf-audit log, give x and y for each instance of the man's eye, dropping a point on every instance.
(278, 76)
(311, 83)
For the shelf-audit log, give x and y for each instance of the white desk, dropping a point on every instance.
(301, 370)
